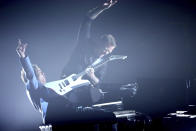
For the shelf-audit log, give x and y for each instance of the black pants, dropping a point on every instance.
(77, 119)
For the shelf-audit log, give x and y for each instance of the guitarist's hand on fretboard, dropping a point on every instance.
(91, 74)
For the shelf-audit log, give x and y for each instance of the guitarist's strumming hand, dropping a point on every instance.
(91, 74)
(21, 49)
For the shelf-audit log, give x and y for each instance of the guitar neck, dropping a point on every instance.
(80, 74)
(101, 62)
(94, 67)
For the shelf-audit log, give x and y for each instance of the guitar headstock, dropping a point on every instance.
(117, 57)
(101, 61)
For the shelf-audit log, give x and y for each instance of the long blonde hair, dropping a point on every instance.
(23, 73)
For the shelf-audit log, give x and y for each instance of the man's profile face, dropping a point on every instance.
(107, 50)
(40, 76)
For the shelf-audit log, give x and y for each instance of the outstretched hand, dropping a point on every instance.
(109, 3)
(21, 49)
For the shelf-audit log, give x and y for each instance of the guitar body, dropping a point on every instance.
(62, 87)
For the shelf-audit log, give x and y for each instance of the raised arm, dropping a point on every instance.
(26, 64)
(95, 12)
(85, 28)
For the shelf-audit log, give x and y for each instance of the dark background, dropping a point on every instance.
(158, 36)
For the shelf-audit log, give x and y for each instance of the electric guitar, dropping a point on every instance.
(63, 86)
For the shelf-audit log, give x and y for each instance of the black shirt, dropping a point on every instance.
(84, 55)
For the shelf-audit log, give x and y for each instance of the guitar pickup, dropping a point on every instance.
(60, 86)
(66, 82)
(63, 84)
